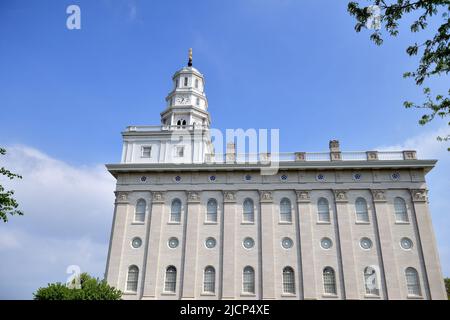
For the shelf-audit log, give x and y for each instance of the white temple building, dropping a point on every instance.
(192, 224)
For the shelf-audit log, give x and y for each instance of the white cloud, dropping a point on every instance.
(68, 214)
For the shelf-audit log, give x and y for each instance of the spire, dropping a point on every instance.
(190, 58)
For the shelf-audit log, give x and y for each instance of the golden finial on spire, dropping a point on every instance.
(190, 57)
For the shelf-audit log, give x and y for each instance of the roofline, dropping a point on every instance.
(115, 169)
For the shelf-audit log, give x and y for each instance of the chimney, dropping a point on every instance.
(335, 152)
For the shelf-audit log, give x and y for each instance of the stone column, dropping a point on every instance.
(153, 245)
(268, 263)
(428, 243)
(383, 220)
(116, 241)
(191, 244)
(229, 238)
(308, 276)
(344, 225)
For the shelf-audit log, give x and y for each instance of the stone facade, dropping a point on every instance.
(170, 240)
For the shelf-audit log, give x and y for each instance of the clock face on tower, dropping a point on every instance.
(182, 100)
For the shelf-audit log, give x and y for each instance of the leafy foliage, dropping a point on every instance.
(8, 205)
(447, 287)
(435, 59)
(91, 289)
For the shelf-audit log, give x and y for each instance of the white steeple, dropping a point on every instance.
(186, 103)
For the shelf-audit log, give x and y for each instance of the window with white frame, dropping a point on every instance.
(196, 83)
(401, 214)
(185, 81)
(179, 152)
(211, 210)
(209, 280)
(362, 214)
(285, 210)
(323, 210)
(132, 278)
(329, 281)
(170, 283)
(288, 280)
(248, 211)
(412, 282)
(141, 206)
(371, 281)
(175, 211)
(146, 152)
(248, 280)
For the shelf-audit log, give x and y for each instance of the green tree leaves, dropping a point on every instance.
(435, 59)
(8, 205)
(91, 289)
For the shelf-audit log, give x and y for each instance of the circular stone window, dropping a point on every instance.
(210, 243)
(177, 179)
(287, 243)
(365, 243)
(320, 177)
(406, 243)
(357, 176)
(143, 178)
(136, 242)
(395, 176)
(248, 243)
(326, 243)
(284, 177)
(247, 177)
(173, 243)
(212, 178)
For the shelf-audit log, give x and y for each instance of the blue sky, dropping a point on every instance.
(65, 96)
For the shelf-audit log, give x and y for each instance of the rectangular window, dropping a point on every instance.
(146, 152)
(179, 152)
(185, 82)
(196, 83)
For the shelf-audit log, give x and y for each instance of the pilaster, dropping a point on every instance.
(267, 242)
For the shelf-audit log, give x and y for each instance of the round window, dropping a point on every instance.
(326, 243)
(248, 243)
(248, 177)
(395, 176)
(366, 243)
(320, 177)
(136, 242)
(212, 178)
(177, 178)
(173, 242)
(406, 243)
(210, 243)
(287, 243)
(283, 177)
(357, 176)
(143, 178)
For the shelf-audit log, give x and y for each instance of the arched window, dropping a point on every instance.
(288, 280)
(249, 215)
(401, 214)
(412, 282)
(178, 123)
(132, 278)
(329, 281)
(285, 210)
(175, 211)
(139, 214)
(323, 210)
(209, 280)
(248, 280)
(362, 214)
(211, 211)
(371, 281)
(170, 283)
(183, 123)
